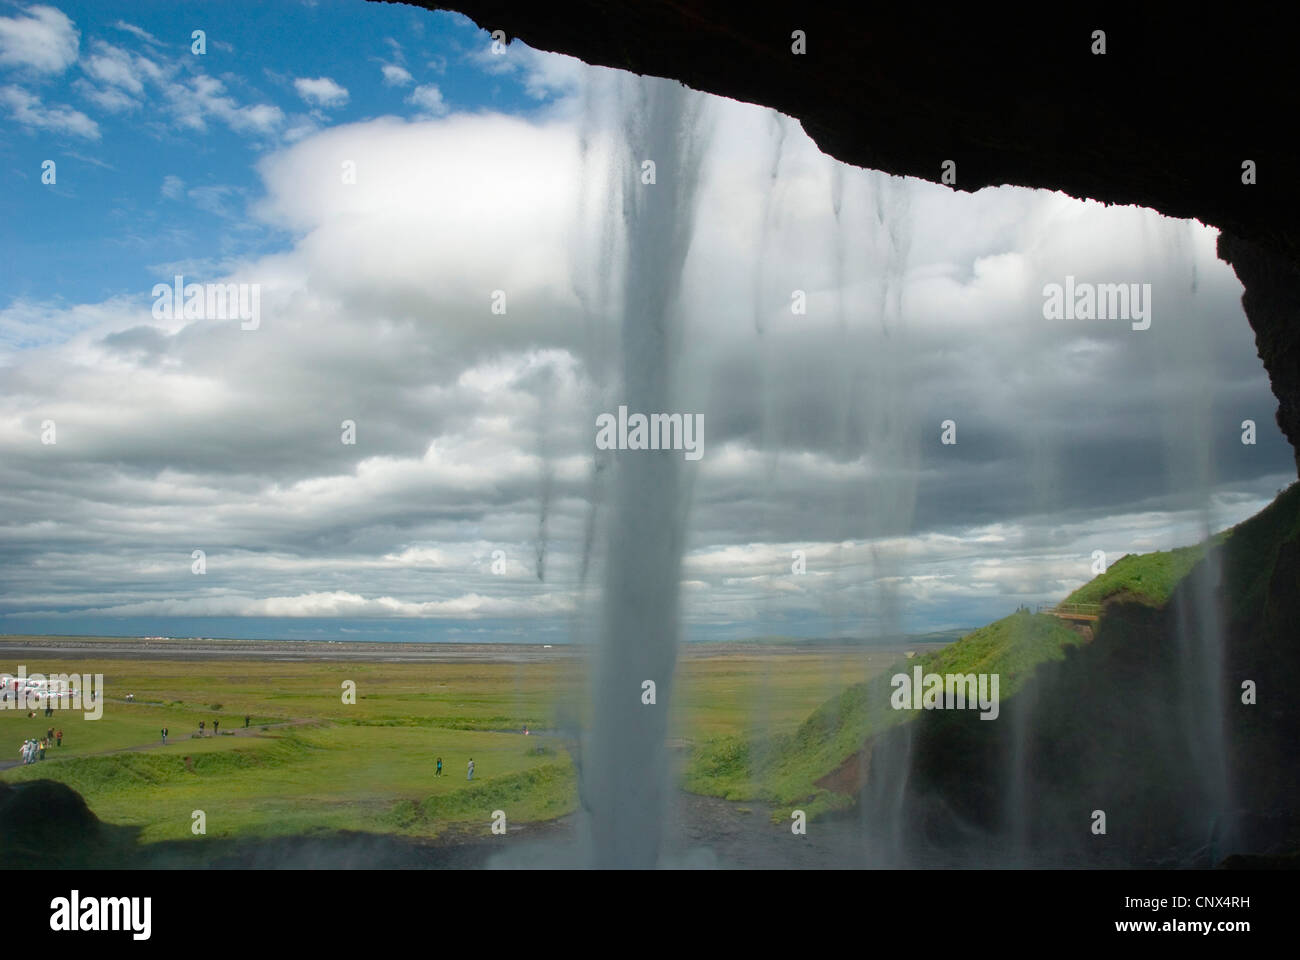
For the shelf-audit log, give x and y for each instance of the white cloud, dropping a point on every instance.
(41, 38)
(173, 187)
(118, 80)
(429, 99)
(395, 76)
(138, 32)
(321, 91)
(339, 603)
(494, 60)
(298, 128)
(203, 97)
(111, 99)
(543, 75)
(115, 78)
(27, 110)
(112, 65)
(821, 429)
(550, 75)
(215, 199)
(25, 325)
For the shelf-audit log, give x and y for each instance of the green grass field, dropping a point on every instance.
(748, 723)
(1146, 577)
(310, 762)
(784, 768)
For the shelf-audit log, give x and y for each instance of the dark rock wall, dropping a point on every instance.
(1118, 724)
(1272, 303)
(1164, 119)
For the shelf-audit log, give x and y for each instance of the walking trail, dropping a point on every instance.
(237, 732)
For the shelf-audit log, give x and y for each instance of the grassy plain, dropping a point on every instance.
(310, 762)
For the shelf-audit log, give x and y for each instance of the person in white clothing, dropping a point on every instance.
(470, 774)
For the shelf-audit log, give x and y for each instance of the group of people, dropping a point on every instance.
(33, 750)
(203, 728)
(469, 771)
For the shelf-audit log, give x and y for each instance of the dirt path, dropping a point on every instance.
(238, 732)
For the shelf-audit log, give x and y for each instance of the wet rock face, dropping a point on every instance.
(1272, 304)
(1165, 118)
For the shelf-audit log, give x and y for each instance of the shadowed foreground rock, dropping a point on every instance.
(45, 823)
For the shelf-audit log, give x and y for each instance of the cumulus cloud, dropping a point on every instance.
(428, 98)
(543, 75)
(118, 80)
(115, 78)
(321, 91)
(194, 100)
(395, 76)
(822, 427)
(112, 65)
(39, 38)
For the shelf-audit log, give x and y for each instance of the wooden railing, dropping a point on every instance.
(1072, 611)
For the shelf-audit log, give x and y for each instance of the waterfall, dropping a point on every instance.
(1199, 629)
(1197, 614)
(625, 776)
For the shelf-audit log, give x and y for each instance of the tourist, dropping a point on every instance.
(246, 719)
(438, 773)
(42, 749)
(58, 738)
(201, 728)
(216, 727)
(470, 774)
(49, 734)
(164, 734)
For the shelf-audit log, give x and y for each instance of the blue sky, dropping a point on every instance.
(128, 441)
(115, 211)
